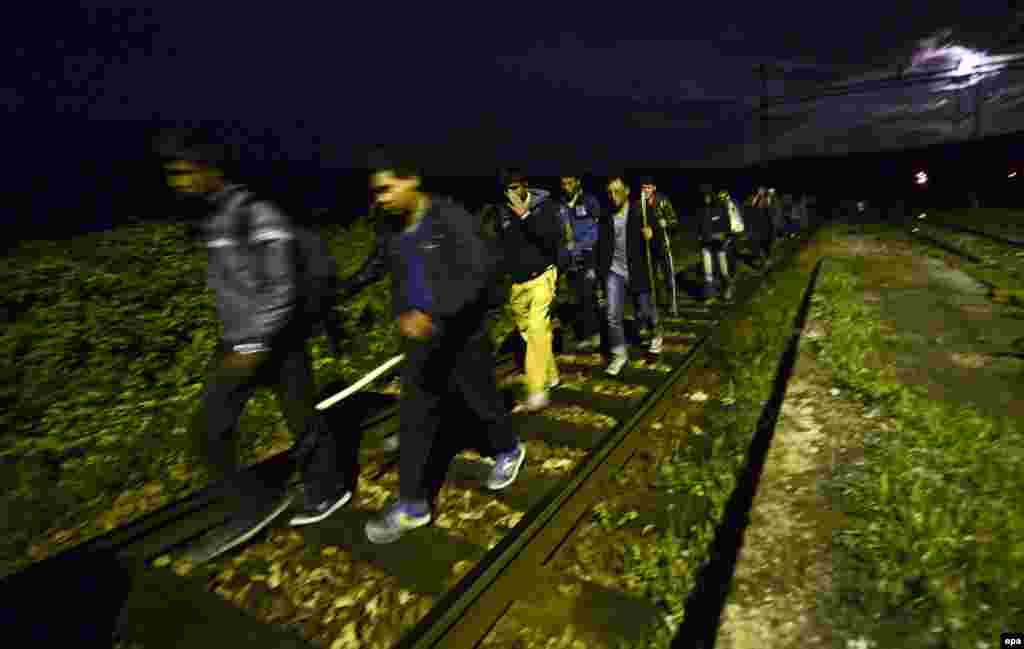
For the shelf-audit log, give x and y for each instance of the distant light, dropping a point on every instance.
(921, 177)
(1012, 174)
(921, 215)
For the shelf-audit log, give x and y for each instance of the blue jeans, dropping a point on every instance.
(644, 307)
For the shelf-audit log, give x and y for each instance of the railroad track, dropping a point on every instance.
(443, 586)
(981, 248)
(1015, 243)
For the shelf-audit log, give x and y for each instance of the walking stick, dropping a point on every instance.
(327, 403)
(647, 248)
(671, 269)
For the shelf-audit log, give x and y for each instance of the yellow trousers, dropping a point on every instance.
(531, 308)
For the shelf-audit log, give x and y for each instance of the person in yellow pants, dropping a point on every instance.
(531, 305)
(533, 248)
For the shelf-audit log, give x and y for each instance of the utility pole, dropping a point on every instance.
(979, 101)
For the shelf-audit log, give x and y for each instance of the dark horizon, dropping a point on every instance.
(133, 190)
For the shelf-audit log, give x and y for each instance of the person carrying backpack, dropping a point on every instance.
(255, 269)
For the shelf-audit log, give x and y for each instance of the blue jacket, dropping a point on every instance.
(582, 220)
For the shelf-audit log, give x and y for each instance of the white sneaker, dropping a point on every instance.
(616, 365)
(533, 403)
(656, 344)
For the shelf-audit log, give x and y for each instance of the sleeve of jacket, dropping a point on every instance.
(272, 249)
(373, 269)
(565, 222)
(471, 254)
(553, 235)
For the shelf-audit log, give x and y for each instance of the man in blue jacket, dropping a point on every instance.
(441, 272)
(580, 213)
(252, 270)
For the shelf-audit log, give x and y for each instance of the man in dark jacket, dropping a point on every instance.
(624, 262)
(660, 208)
(252, 270)
(440, 274)
(533, 246)
(580, 213)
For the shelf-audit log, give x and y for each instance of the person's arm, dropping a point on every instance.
(373, 269)
(670, 218)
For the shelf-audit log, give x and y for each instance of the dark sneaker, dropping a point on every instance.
(506, 468)
(394, 522)
(320, 511)
(239, 528)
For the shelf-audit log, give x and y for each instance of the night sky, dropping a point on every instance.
(470, 88)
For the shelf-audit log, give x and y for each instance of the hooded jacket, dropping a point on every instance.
(533, 243)
(251, 268)
(636, 254)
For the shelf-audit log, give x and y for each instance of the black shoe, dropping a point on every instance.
(238, 529)
(320, 511)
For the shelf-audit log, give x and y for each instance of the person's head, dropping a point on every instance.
(571, 185)
(648, 186)
(709, 194)
(395, 184)
(515, 181)
(193, 164)
(618, 191)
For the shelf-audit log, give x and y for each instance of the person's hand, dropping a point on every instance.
(518, 205)
(240, 361)
(648, 233)
(416, 325)
(663, 223)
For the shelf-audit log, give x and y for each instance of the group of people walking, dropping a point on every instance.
(444, 264)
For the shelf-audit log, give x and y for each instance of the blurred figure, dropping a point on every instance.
(762, 230)
(581, 212)
(720, 222)
(624, 262)
(659, 207)
(253, 272)
(440, 270)
(532, 239)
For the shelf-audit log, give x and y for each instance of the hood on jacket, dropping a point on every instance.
(537, 197)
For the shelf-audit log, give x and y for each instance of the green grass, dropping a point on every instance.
(706, 464)
(933, 555)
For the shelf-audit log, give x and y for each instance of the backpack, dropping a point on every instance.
(317, 271)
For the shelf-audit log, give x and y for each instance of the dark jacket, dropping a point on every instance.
(252, 269)
(636, 254)
(582, 221)
(459, 263)
(532, 244)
